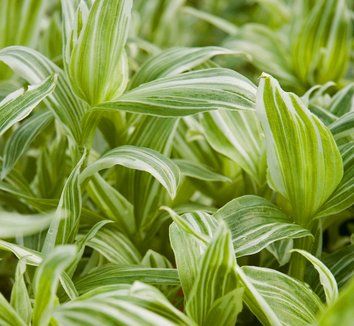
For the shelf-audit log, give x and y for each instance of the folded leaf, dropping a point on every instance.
(98, 72)
(304, 162)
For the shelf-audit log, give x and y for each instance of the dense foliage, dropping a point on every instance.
(179, 162)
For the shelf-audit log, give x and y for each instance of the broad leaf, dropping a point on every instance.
(304, 162)
(255, 223)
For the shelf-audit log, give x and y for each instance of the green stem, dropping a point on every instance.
(298, 262)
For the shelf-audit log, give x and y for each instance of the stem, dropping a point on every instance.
(298, 262)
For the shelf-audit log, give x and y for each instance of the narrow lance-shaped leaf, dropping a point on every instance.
(34, 68)
(46, 281)
(98, 67)
(186, 94)
(255, 223)
(14, 224)
(18, 105)
(63, 228)
(327, 279)
(19, 142)
(142, 159)
(20, 298)
(304, 162)
(8, 316)
(172, 62)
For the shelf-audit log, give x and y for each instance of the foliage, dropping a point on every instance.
(171, 162)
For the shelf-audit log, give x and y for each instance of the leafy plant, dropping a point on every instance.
(168, 163)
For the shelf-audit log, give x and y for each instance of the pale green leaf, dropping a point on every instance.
(18, 105)
(20, 141)
(304, 162)
(186, 94)
(98, 71)
(142, 159)
(327, 279)
(255, 223)
(46, 281)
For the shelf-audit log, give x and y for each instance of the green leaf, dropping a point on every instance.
(98, 71)
(142, 159)
(255, 223)
(34, 68)
(114, 274)
(343, 197)
(189, 248)
(172, 62)
(321, 43)
(327, 279)
(14, 224)
(64, 226)
(112, 203)
(200, 172)
(8, 316)
(19, 142)
(277, 299)
(115, 247)
(20, 298)
(18, 105)
(341, 312)
(237, 135)
(216, 278)
(304, 162)
(186, 94)
(46, 281)
(139, 304)
(342, 102)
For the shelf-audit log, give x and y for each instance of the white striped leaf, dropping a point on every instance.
(277, 299)
(343, 197)
(19, 104)
(304, 162)
(198, 171)
(64, 227)
(142, 159)
(342, 102)
(327, 279)
(19, 142)
(215, 283)
(172, 62)
(237, 135)
(115, 247)
(255, 223)
(343, 127)
(139, 304)
(186, 94)
(98, 66)
(320, 45)
(110, 274)
(34, 68)
(112, 203)
(189, 248)
(46, 280)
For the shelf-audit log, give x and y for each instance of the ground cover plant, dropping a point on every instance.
(171, 162)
